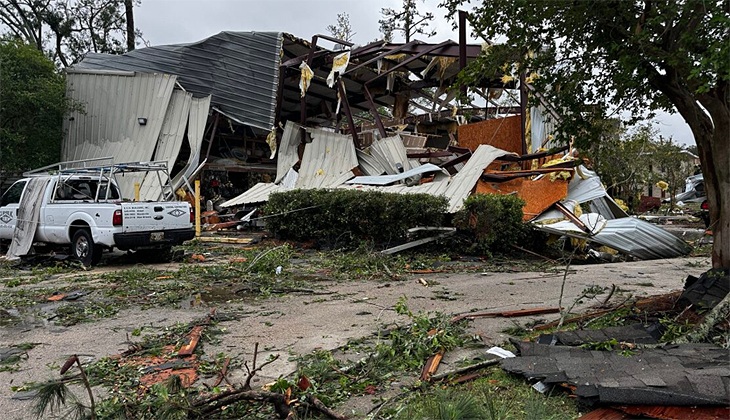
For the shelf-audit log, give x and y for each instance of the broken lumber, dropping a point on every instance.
(430, 367)
(465, 369)
(224, 240)
(507, 314)
(416, 243)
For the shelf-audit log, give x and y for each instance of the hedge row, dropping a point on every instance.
(493, 222)
(339, 217)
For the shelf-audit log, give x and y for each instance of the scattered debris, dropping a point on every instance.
(685, 375)
(507, 314)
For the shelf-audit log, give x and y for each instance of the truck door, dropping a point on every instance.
(9, 209)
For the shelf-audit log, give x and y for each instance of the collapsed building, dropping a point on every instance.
(252, 113)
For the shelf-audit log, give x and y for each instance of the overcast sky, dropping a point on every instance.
(180, 21)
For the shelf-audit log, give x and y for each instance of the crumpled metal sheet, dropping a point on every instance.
(389, 179)
(29, 215)
(390, 152)
(168, 144)
(288, 150)
(456, 188)
(239, 69)
(629, 235)
(587, 186)
(197, 119)
(327, 161)
(369, 165)
(107, 125)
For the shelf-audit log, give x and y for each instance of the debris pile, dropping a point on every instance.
(562, 196)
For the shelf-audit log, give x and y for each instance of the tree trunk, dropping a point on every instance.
(128, 8)
(712, 135)
(714, 149)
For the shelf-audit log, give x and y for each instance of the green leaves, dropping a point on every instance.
(31, 109)
(344, 218)
(493, 222)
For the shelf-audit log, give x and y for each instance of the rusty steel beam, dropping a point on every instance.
(409, 60)
(346, 108)
(572, 217)
(379, 56)
(454, 161)
(374, 111)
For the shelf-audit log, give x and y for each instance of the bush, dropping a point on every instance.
(347, 217)
(492, 221)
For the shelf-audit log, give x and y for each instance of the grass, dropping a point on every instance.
(496, 396)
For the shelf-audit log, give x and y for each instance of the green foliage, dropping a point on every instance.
(496, 396)
(345, 218)
(409, 21)
(603, 54)
(68, 30)
(396, 352)
(493, 221)
(31, 109)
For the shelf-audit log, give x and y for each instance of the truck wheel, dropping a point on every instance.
(84, 249)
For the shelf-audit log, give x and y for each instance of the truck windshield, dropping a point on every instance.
(84, 189)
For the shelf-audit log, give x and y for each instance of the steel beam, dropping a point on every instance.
(346, 108)
(374, 111)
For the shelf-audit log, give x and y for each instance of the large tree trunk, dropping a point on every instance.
(712, 135)
(713, 145)
(128, 8)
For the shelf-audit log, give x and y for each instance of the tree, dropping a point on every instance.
(671, 161)
(622, 160)
(32, 108)
(342, 29)
(611, 55)
(68, 29)
(408, 21)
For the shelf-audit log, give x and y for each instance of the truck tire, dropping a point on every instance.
(84, 249)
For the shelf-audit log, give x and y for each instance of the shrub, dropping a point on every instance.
(492, 221)
(347, 217)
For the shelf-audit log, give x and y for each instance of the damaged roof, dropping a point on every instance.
(239, 69)
(680, 375)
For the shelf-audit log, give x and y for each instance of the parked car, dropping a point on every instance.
(88, 214)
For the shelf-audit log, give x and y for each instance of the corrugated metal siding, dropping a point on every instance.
(327, 161)
(239, 69)
(288, 149)
(629, 235)
(259, 193)
(463, 182)
(389, 152)
(169, 142)
(199, 109)
(542, 125)
(107, 125)
(369, 165)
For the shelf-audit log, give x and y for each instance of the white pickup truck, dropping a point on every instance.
(87, 213)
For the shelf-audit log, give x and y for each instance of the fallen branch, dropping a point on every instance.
(319, 406)
(718, 314)
(279, 401)
(550, 260)
(252, 371)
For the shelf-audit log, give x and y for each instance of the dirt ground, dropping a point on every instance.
(297, 324)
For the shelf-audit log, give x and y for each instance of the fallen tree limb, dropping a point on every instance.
(718, 314)
(218, 402)
(319, 406)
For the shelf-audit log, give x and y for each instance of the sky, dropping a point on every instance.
(182, 21)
